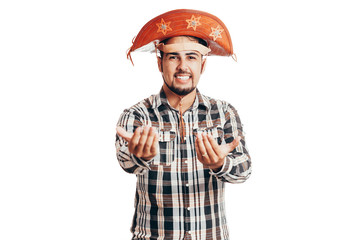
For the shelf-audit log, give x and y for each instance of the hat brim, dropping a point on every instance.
(185, 22)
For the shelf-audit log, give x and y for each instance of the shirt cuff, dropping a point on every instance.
(142, 163)
(225, 169)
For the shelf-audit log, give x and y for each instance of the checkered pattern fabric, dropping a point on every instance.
(176, 196)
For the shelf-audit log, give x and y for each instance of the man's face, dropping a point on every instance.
(181, 70)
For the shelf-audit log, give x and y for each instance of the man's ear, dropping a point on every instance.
(159, 62)
(203, 64)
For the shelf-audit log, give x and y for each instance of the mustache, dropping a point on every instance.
(182, 72)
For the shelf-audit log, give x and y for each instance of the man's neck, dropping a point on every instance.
(175, 99)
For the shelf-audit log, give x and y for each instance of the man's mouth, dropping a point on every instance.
(183, 76)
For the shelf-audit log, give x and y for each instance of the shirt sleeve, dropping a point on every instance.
(237, 165)
(130, 120)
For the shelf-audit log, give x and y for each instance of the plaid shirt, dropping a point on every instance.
(176, 196)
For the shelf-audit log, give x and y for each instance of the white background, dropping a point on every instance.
(65, 80)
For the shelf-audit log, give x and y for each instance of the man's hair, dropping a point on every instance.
(199, 40)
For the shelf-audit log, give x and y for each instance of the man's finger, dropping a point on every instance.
(124, 134)
(149, 140)
(201, 146)
(215, 146)
(209, 149)
(155, 144)
(134, 140)
(231, 146)
(139, 149)
(197, 149)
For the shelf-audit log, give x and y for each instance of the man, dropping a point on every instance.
(182, 145)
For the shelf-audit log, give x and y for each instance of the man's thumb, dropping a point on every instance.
(124, 134)
(234, 144)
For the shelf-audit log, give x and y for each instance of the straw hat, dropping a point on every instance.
(184, 22)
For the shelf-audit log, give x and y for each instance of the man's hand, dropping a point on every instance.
(143, 143)
(210, 153)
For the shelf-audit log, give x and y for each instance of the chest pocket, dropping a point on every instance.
(167, 151)
(216, 131)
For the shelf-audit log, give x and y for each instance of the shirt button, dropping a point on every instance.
(186, 162)
(189, 232)
(187, 185)
(188, 209)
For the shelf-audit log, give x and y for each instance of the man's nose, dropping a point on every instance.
(182, 65)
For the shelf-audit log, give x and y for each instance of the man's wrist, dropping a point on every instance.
(217, 167)
(146, 159)
(225, 168)
(215, 170)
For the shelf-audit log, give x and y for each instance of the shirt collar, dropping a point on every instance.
(200, 100)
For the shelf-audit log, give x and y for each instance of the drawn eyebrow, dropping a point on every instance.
(192, 53)
(177, 54)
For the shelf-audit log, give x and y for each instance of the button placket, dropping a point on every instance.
(187, 165)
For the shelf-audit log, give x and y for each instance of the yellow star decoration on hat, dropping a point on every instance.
(164, 27)
(216, 32)
(193, 22)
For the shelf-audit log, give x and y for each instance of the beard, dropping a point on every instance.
(180, 91)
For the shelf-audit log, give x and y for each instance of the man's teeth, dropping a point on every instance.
(183, 77)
